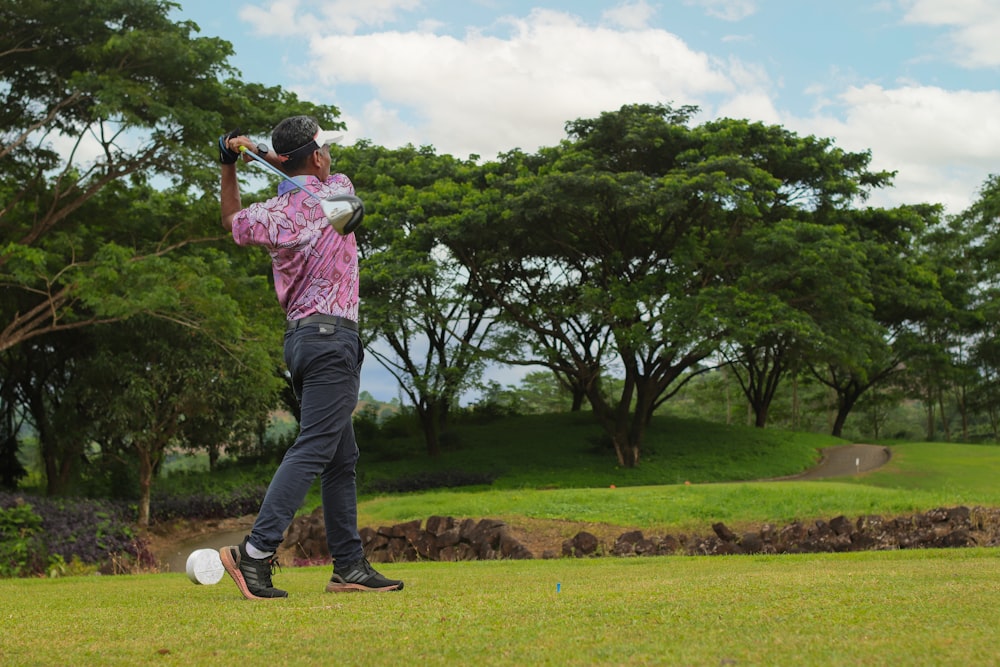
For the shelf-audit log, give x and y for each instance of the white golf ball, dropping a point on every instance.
(205, 567)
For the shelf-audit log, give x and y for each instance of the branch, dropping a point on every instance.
(53, 112)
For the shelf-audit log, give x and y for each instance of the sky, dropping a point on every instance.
(916, 82)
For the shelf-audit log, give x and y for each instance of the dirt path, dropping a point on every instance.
(846, 460)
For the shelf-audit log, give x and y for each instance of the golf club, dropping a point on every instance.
(344, 212)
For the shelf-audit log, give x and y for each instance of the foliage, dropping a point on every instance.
(643, 244)
(20, 542)
(165, 507)
(632, 260)
(100, 99)
(45, 532)
(437, 328)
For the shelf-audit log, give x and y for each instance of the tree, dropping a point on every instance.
(802, 289)
(108, 180)
(415, 297)
(643, 224)
(101, 96)
(152, 386)
(975, 252)
(905, 281)
(11, 423)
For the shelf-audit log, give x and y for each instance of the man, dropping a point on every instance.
(316, 280)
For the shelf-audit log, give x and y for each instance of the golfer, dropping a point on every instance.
(316, 280)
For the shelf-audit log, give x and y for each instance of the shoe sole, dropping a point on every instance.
(232, 565)
(333, 587)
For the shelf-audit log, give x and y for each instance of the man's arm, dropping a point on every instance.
(230, 196)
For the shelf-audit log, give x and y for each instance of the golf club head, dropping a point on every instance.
(344, 212)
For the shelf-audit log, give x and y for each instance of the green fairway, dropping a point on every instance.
(918, 477)
(672, 507)
(879, 608)
(944, 467)
(913, 607)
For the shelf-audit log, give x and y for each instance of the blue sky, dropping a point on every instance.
(917, 82)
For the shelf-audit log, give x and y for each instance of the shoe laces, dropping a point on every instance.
(272, 566)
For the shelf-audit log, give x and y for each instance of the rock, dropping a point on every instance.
(448, 539)
(583, 544)
(724, 533)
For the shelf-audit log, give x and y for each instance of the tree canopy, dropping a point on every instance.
(637, 255)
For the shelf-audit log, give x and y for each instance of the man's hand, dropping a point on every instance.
(226, 154)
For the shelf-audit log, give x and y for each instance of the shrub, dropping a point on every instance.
(43, 532)
(20, 542)
(236, 503)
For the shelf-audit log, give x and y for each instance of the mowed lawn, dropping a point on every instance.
(934, 607)
(917, 607)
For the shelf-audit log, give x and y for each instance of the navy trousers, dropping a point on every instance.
(325, 366)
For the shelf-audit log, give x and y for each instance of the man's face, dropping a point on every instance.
(325, 161)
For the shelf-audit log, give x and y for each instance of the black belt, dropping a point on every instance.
(322, 319)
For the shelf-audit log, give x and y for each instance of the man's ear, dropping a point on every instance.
(317, 159)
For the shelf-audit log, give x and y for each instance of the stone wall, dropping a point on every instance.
(938, 528)
(440, 539)
(449, 539)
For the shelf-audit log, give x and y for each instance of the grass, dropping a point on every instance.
(553, 470)
(569, 451)
(670, 508)
(947, 468)
(881, 608)
(929, 607)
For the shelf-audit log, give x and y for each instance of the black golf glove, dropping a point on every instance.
(227, 156)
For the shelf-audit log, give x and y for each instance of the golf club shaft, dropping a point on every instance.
(243, 149)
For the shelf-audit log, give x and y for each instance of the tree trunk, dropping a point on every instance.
(145, 485)
(429, 424)
(626, 451)
(844, 406)
(795, 402)
(945, 425)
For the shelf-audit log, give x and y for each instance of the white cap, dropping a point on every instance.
(326, 137)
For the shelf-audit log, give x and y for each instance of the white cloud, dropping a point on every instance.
(283, 17)
(485, 94)
(750, 106)
(630, 15)
(974, 25)
(277, 18)
(943, 143)
(727, 10)
(516, 82)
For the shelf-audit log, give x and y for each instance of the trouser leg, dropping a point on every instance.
(325, 370)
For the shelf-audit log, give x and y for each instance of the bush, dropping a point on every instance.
(236, 503)
(21, 547)
(40, 532)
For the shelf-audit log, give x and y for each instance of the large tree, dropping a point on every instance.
(108, 191)
(99, 97)
(802, 289)
(905, 281)
(151, 386)
(430, 327)
(643, 224)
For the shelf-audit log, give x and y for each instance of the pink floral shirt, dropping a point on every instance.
(315, 268)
